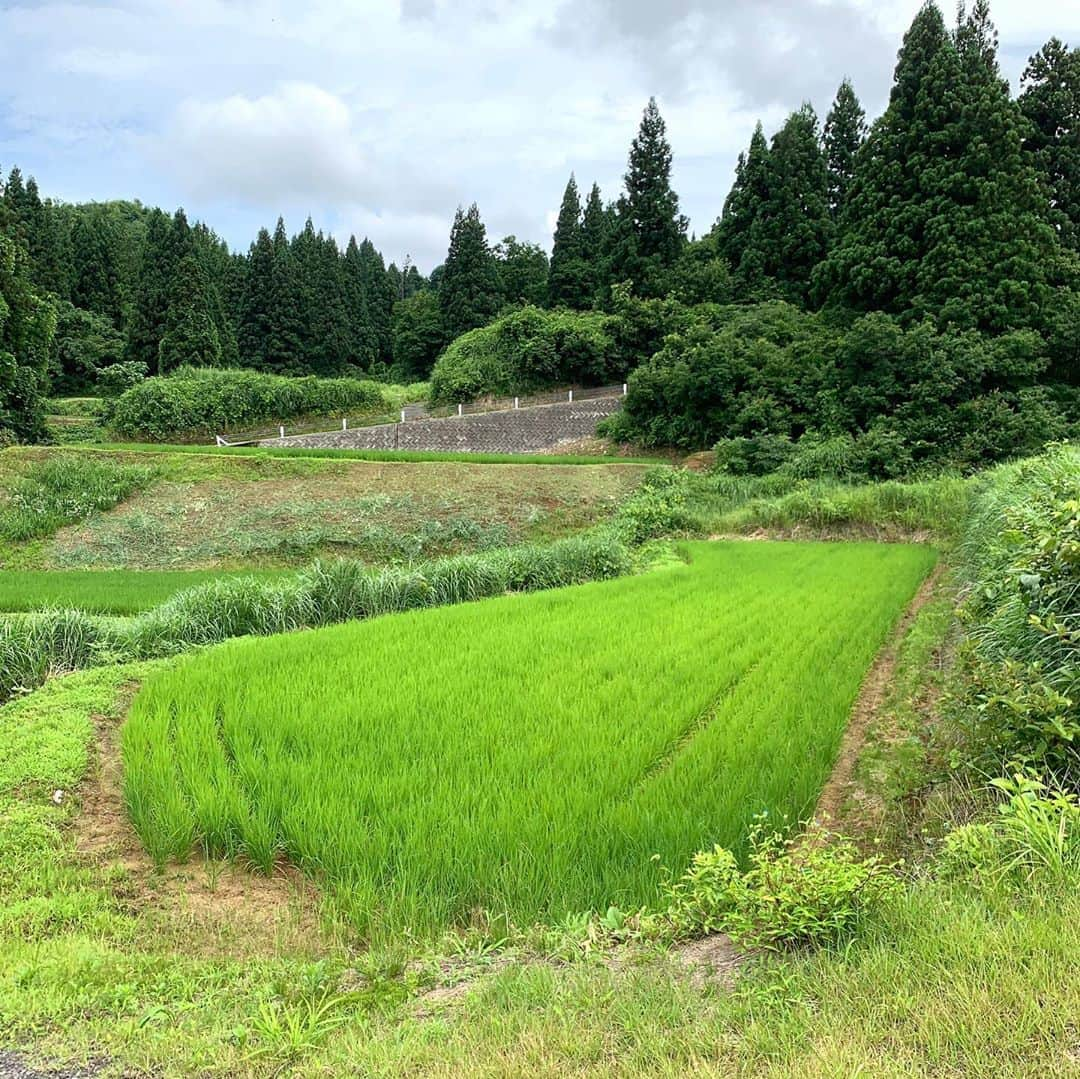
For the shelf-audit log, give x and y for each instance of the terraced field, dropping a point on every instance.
(526, 755)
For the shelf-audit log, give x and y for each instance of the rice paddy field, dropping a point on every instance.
(531, 756)
(105, 591)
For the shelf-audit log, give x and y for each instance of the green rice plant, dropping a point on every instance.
(526, 755)
(63, 489)
(106, 591)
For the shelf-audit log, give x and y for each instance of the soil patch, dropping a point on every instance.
(868, 704)
(232, 909)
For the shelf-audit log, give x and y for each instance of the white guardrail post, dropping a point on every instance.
(624, 389)
(281, 432)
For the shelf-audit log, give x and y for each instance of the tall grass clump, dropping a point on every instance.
(204, 401)
(34, 646)
(527, 755)
(1020, 560)
(64, 489)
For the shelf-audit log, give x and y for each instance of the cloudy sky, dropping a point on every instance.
(380, 116)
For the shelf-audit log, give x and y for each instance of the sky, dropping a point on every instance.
(380, 117)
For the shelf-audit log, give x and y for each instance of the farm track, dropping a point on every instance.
(829, 811)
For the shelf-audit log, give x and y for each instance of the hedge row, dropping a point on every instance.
(206, 401)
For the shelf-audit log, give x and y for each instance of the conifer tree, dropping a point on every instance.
(96, 277)
(845, 131)
(568, 278)
(945, 217)
(191, 338)
(651, 231)
(363, 340)
(283, 342)
(1050, 101)
(379, 297)
(255, 315)
(596, 235)
(469, 284)
(744, 202)
(789, 234)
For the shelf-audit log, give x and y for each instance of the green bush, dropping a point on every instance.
(1035, 834)
(205, 401)
(526, 350)
(792, 895)
(1021, 561)
(65, 489)
(657, 508)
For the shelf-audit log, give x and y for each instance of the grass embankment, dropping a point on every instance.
(212, 511)
(106, 591)
(553, 743)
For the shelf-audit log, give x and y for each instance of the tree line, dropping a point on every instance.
(958, 208)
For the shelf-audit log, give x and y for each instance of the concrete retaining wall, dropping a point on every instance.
(525, 430)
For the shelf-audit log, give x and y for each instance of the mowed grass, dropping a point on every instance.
(104, 591)
(527, 755)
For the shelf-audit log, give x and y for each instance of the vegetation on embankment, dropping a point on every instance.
(105, 591)
(203, 402)
(199, 510)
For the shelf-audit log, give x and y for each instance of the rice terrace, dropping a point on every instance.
(652, 650)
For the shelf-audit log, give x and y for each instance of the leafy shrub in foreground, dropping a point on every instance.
(790, 896)
(1035, 833)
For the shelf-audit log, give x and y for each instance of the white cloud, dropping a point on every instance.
(295, 142)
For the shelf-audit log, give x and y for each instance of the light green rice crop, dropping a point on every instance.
(526, 755)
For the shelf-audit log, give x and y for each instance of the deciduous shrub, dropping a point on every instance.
(203, 401)
(790, 896)
(526, 350)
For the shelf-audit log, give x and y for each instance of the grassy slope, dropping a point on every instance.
(554, 742)
(211, 511)
(103, 591)
(951, 981)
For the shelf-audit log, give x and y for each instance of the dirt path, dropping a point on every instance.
(868, 704)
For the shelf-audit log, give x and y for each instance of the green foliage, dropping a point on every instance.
(1022, 561)
(190, 338)
(570, 281)
(526, 350)
(27, 325)
(85, 344)
(64, 489)
(727, 729)
(523, 271)
(119, 377)
(904, 399)
(844, 134)
(793, 894)
(945, 216)
(649, 231)
(1033, 838)
(656, 508)
(200, 401)
(417, 335)
(1050, 102)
